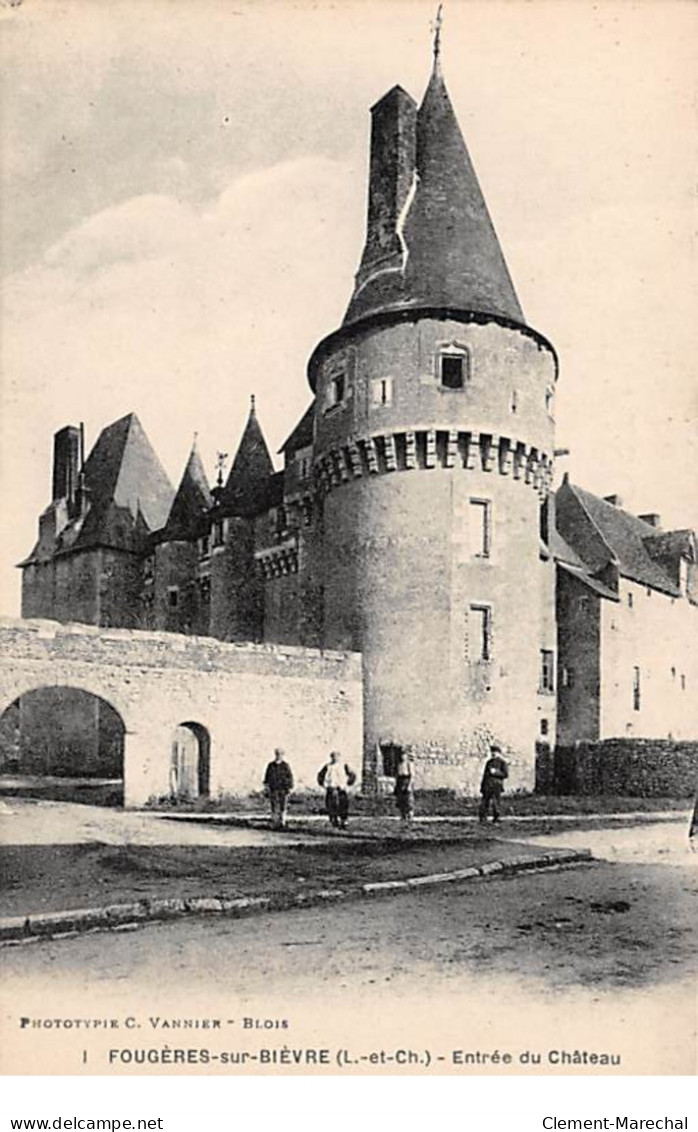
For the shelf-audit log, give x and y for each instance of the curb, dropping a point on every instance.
(115, 917)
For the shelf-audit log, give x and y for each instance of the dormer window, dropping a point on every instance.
(336, 391)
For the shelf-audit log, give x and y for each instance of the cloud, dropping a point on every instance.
(178, 314)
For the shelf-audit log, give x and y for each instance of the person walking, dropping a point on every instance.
(336, 777)
(404, 795)
(278, 784)
(492, 786)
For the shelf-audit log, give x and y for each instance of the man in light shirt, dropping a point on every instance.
(337, 777)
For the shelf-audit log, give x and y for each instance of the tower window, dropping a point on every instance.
(630, 600)
(480, 632)
(637, 692)
(481, 527)
(544, 727)
(336, 391)
(544, 520)
(547, 670)
(173, 597)
(382, 391)
(452, 370)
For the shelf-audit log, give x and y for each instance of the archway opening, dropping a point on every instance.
(190, 766)
(62, 742)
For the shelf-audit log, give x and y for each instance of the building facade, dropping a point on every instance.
(414, 519)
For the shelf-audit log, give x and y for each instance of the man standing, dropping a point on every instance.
(278, 783)
(404, 797)
(492, 785)
(336, 777)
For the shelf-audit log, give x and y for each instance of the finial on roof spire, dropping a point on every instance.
(437, 35)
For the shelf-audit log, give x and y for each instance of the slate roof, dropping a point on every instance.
(191, 503)
(302, 435)
(453, 257)
(246, 490)
(127, 491)
(626, 538)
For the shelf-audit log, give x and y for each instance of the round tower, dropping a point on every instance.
(433, 455)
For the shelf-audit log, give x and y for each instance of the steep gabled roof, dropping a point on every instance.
(124, 493)
(302, 435)
(192, 501)
(246, 490)
(128, 490)
(624, 536)
(451, 254)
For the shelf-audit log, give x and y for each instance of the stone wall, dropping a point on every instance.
(249, 698)
(645, 768)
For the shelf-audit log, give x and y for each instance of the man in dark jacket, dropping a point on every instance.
(278, 783)
(492, 785)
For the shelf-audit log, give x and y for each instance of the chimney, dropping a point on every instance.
(393, 157)
(652, 518)
(614, 500)
(66, 464)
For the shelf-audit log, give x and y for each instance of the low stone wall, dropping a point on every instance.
(248, 699)
(642, 768)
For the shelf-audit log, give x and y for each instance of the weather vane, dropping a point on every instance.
(221, 458)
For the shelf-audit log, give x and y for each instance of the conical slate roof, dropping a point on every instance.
(192, 501)
(247, 487)
(451, 254)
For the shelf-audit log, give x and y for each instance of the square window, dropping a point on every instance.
(452, 371)
(480, 632)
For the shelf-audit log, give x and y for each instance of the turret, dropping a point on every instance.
(433, 453)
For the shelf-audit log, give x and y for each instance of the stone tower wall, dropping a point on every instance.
(403, 561)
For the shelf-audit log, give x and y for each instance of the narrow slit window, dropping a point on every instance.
(173, 597)
(480, 636)
(481, 527)
(637, 689)
(547, 670)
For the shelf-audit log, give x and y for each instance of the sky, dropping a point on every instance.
(183, 191)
